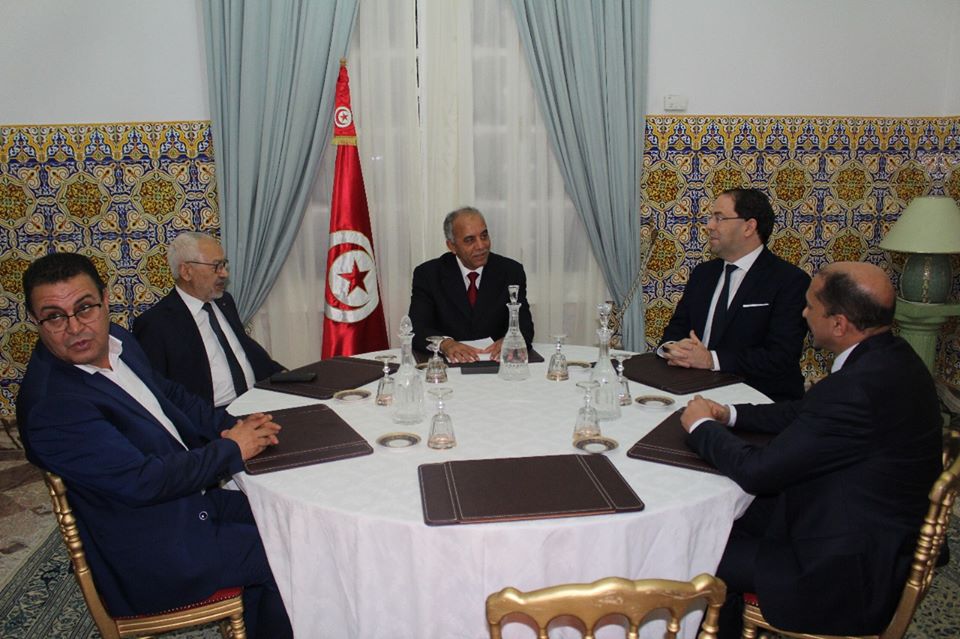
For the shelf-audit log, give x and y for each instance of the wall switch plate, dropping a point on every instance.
(674, 102)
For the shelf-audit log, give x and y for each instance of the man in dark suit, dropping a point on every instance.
(462, 295)
(843, 484)
(194, 335)
(759, 332)
(141, 458)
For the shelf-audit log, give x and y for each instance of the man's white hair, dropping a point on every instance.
(184, 248)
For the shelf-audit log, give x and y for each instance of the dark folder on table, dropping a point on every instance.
(331, 376)
(652, 370)
(533, 357)
(667, 444)
(488, 490)
(309, 435)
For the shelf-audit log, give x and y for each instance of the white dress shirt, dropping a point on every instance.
(223, 390)
(463, 273)
(736, 278)
(128, 381)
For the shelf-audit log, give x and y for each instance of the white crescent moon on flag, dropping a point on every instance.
(361, 301)
(342, 117)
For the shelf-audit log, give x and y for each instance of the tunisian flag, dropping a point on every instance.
(353, 320)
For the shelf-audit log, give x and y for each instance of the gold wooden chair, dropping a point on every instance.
(932, 534)
(225, 605)
(609, 598)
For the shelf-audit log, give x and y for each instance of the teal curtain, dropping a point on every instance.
(272, 71)
(587, 64)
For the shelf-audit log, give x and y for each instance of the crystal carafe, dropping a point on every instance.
(607, 399)
(513, 350)
(408, 383)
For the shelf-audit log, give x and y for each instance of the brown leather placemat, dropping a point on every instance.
(333, 375)
(487, 490)
(533, 357)
(309, 435)
(652, 370)
(667, 444)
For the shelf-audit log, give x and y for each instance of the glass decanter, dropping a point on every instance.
(607, 400)
(513, 351)
(408, 383)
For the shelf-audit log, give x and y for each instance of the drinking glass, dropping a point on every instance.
(436, 372)
(588, 424)
(441, 426)
(386, 386)
(624, 393)
(557, 369)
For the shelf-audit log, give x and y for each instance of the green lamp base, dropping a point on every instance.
(926, 278)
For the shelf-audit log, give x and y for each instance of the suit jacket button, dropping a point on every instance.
(203, 515)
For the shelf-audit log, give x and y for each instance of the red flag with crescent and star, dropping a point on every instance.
(353, 318)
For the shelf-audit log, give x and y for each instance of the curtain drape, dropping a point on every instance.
(446, 115)
(587, 64)
(272, 67)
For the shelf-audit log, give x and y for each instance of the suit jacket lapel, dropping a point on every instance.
(491, 288)
(453, 287)
(750, 280)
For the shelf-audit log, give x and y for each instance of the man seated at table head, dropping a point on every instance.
(759, 332)
(844, 481)
(194, 334)
(141, 458)
(462, 295)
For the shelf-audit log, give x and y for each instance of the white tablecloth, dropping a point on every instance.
(353, 558)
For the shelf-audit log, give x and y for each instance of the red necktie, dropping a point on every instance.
(472, 289)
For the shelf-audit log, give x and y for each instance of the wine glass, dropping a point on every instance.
(436, 372)
(588, 424)
(624, 393)
(387, 385)
(557, 369)
(441, 426)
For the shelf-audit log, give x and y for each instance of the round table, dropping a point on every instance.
(353, 558)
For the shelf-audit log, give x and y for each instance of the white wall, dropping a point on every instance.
(78, 61)
(142, 60)
(806, 57)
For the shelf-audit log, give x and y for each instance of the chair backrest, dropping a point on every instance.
(608, 598)
(71, 539)
(929, 543)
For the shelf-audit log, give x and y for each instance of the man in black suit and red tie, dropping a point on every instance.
(842, 487)
(194, 335)
(741, 312)
(462, 295)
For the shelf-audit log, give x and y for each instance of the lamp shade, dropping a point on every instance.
(927, 225)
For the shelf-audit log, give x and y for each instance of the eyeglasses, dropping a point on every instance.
(716, 217)
(58, 322)
(218, 267)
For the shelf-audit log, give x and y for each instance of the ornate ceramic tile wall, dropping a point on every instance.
(115, 192)
(836, 183)
(120, 192)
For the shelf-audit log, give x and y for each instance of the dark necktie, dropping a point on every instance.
(236, 372)
(720, 312)
(472, 289)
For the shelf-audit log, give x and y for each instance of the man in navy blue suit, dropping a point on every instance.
(842, 487)
(462, 295)
(741, 312)
(194, 335)
(141, 457)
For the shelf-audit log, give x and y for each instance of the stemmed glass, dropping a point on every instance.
(588, 424)
(557, 369)
(441, 426)
(436, 372)
(387, 385)
(624, 394)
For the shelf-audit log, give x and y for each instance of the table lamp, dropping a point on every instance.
(928, 231)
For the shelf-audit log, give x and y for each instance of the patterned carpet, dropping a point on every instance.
(39, 598)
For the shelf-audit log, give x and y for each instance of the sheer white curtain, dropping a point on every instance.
(446, 116)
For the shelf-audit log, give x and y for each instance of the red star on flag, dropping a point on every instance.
(356, 278)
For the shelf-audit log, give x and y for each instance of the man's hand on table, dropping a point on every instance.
(459, 353)
(688, 353)
(702, 408)
(253, 434)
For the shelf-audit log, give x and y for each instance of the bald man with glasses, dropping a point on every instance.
(742, 312)
(194, 335)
